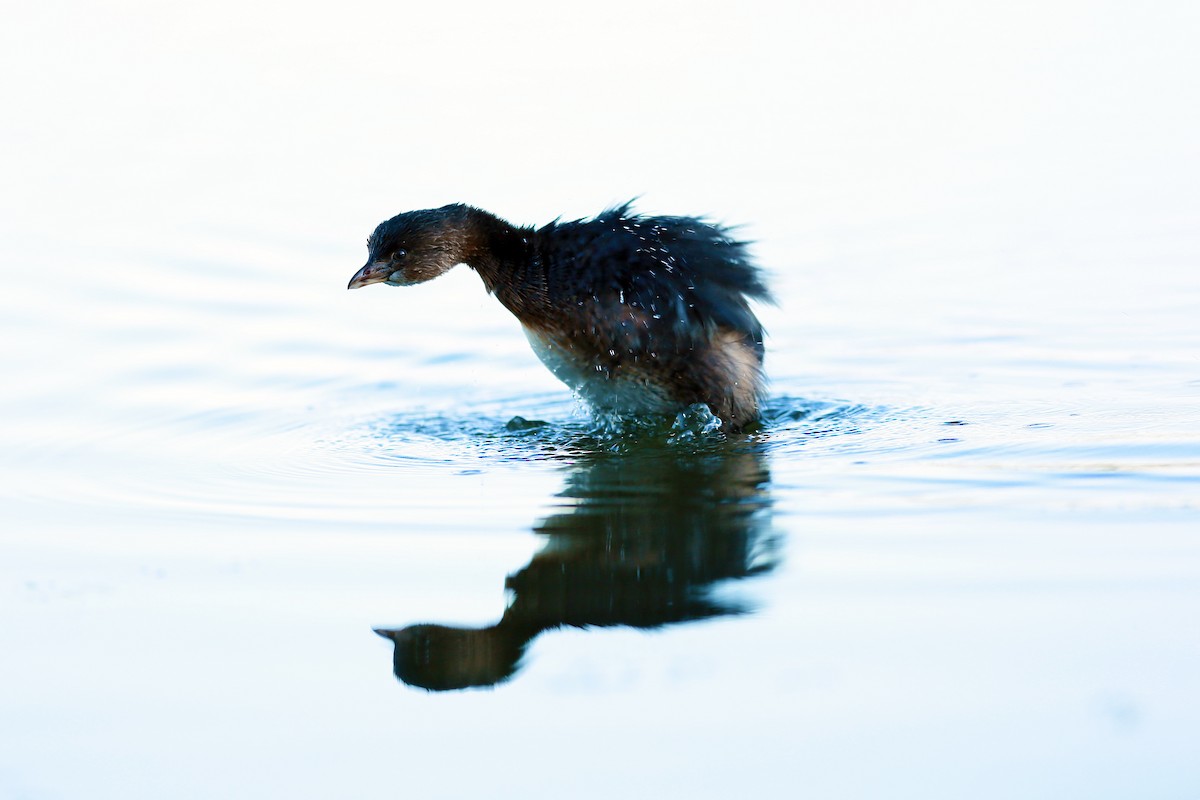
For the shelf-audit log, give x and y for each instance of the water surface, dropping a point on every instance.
(264, 537)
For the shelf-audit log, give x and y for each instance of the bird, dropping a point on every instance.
(637, 314)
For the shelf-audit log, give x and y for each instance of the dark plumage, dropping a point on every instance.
(636, 313)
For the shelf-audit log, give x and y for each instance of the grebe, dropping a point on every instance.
(637, 314)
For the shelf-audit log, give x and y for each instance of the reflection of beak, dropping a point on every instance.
(373, 272)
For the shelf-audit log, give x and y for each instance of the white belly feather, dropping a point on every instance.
(594, 383)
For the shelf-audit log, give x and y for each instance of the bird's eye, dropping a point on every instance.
(399, 254)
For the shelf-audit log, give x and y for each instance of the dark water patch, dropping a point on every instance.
(657, 517)
(522, 424)
(646, 536)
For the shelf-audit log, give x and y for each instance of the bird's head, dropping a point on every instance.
(415, 247)
(440, 657)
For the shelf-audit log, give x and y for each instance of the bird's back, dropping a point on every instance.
(646, 313)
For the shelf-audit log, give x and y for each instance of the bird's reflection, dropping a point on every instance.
(643, 539)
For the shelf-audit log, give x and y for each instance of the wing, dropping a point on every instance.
(682, 276)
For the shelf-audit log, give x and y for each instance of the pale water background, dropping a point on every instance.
(968, 536)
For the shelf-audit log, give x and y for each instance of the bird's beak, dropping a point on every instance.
(373, 272)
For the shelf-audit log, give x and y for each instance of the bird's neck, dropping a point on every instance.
(505, 258)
